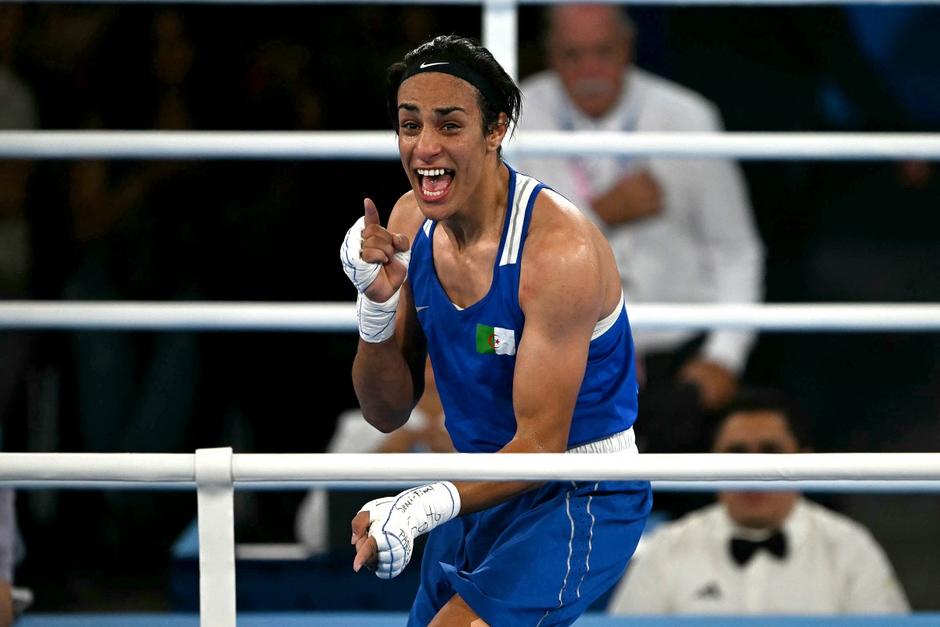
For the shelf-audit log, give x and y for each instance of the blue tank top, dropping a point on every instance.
(473, 350)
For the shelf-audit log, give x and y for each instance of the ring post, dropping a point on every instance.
(500, 33)
(215, 490)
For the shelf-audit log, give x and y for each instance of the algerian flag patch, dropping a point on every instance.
(495, 340)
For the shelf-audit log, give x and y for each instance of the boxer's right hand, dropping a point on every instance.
(375, 259)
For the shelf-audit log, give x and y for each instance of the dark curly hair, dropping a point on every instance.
(468, 52)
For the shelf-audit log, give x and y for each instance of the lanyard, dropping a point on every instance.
(579, 166)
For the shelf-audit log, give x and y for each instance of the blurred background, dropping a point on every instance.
(270, 231)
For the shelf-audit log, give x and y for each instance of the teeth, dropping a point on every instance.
(432, 194)
(431, 172)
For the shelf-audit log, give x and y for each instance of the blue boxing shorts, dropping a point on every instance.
(540, 558)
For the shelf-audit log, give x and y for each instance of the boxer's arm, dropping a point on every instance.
(388, 370)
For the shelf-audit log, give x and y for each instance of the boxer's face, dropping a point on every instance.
(442, 143)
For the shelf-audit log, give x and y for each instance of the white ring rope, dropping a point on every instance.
(867, 486)
(216, 316)
(741, 145)
(178, 316)
(560, 467)
(37, 469)
(381, 145)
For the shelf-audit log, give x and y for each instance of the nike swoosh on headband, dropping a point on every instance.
(426, 64)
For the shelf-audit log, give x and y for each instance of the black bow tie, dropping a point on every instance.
(743, 550)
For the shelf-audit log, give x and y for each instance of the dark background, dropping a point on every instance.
(270, 231)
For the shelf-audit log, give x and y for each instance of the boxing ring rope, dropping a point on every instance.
(338, 316)
(381, 145)
(288, 471)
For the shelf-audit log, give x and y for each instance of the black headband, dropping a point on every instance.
(461, 71)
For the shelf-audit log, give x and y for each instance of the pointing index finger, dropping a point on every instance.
(372, 214)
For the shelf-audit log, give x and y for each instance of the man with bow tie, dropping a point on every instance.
(760, 552)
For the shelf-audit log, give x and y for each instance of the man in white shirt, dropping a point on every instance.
(681, 230)
(760, 552)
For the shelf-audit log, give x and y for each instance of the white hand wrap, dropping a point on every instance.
(396, 521)
(360, 272)
(376, 320)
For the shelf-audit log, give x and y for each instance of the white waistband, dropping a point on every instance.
(623, 442)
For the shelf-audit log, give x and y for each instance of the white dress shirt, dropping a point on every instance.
(703, 246)
(833, 566)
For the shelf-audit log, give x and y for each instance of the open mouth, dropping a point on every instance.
(434, 182)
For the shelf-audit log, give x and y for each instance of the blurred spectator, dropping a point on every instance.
(279, 88)
(7, 556)
(424, 432)
(682, 230)
(17, 112)
(900, 45)
(17, 102)
(59, 46)
(760, 552)
(13, 600)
